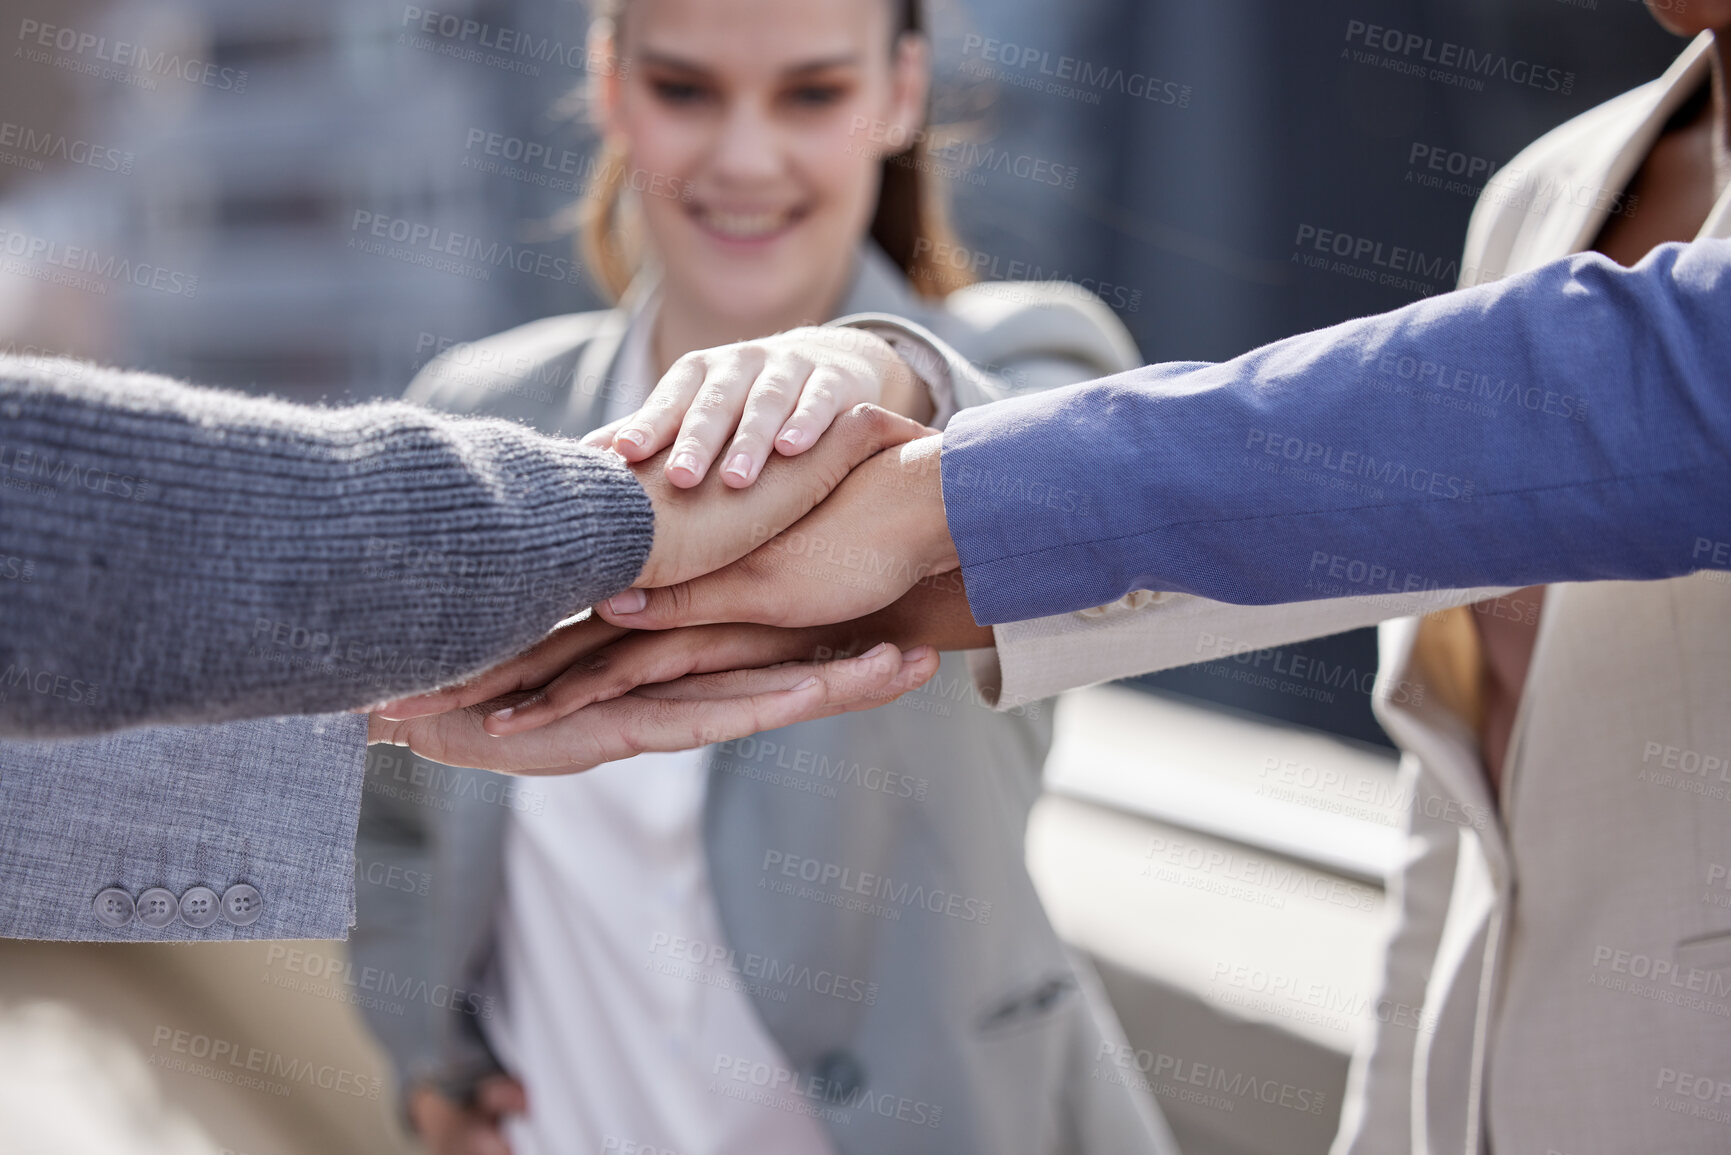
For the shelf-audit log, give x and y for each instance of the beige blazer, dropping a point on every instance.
(1569, 943)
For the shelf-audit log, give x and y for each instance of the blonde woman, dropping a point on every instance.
(821, 938)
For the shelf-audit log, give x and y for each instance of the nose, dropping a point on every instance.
(749, 148)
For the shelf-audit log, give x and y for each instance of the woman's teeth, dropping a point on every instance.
(744, 226)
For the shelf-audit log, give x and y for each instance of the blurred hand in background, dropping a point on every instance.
(448, 1127)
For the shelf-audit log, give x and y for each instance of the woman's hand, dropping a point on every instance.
(879, 534)
(450, 1128)
(681, 714)
(776, 394)
(589, 661)
(703, 527)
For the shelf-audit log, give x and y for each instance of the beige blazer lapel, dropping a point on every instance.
(1571, 220)
(1621, 159)
(1426, 728)
(1719, 220)
(1573, 216)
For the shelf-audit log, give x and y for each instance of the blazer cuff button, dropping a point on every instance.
(198, 907)
(157, 907)
(242, 904)
(114, 908)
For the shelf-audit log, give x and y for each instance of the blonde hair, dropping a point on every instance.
(911, 222)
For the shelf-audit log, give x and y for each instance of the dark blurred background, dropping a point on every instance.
(225, 182)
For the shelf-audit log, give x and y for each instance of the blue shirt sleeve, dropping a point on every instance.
(1570, 424)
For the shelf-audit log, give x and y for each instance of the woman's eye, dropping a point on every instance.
(677, 91)
(816, 95)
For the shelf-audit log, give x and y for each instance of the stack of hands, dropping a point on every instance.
(811, 574)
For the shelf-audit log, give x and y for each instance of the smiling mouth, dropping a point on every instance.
(746, 226)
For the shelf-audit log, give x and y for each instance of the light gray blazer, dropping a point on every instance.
(974, 1007)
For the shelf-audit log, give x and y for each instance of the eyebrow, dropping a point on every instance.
(663, 60)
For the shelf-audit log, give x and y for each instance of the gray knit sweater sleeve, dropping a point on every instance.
(174, 554)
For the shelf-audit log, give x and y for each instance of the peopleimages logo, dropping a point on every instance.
(86, 268)
(34, 146)
(878, 887)
(511, 47)
(122, 56)
(1415, 54)
(1062, 75)
(435, 247)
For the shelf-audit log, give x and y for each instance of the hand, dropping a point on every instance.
(777, 393)
(593, 661)
(702, 528)
(881, 532)
(450, 1128)
(677, 715)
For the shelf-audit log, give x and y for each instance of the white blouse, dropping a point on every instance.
(609, 1014)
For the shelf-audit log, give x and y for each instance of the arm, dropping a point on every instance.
(1305, 467)
(188, 555)
(201, 556)
(1602, 451)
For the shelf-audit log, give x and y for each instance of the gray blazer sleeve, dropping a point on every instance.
(244, 830)
(175, 555)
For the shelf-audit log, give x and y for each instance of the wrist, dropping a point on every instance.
(902, 392)
(921, 504)
(904, 376)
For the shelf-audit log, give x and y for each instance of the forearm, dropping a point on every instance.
(184, 555)
(1604, 455)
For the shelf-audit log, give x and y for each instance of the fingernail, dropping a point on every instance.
(636, 437)
(918, 653)
(875, 650)
(792, 438)
(629, 602)
(686, 461)
(805, 685)
(501, 715)
(740, 466)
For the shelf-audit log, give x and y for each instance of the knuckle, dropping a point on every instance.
(689, 444)
(767, 403)
(662, 407)
(871, 423)
(678, 600)
(747, 441)
(820, 389)
(711, 402)
(759, 564)
(739, 358)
